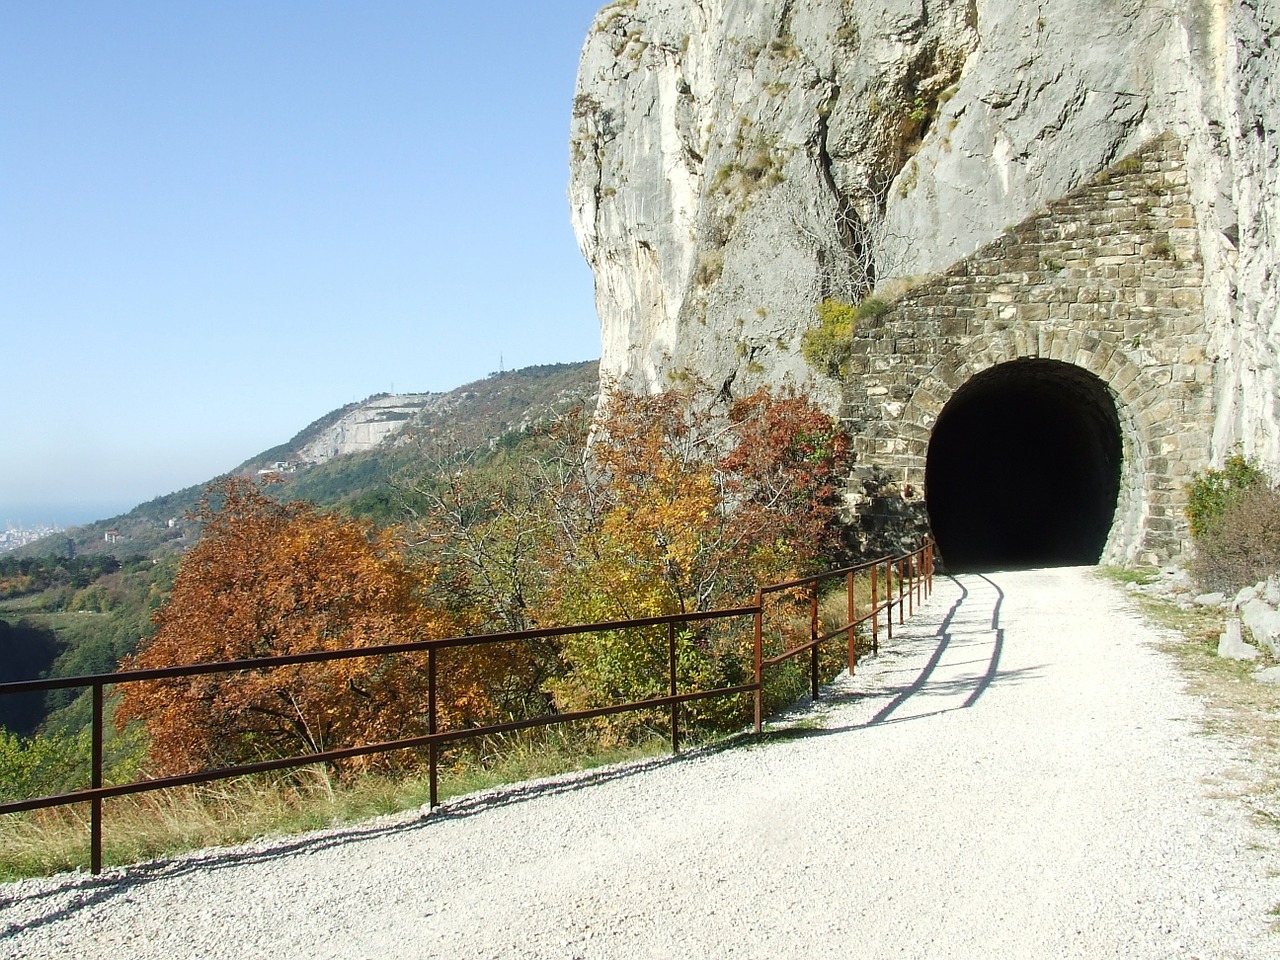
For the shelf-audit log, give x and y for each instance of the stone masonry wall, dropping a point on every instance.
(1108, 279)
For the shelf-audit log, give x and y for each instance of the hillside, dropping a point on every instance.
(355, 475)
(64, 615)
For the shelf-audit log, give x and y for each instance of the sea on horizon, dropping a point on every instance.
(34, 516)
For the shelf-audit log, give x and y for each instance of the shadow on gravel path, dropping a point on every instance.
(965, 627)
(85, 891)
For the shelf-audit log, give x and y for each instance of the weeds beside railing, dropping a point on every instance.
(910, 576)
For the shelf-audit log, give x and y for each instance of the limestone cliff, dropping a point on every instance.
(734, 163)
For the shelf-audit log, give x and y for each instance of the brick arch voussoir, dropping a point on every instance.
(1126, 382)
(1132, 391)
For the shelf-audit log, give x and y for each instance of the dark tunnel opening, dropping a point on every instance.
(1024, 468)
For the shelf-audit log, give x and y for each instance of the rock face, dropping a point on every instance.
(365, 426)
(1231, 643)
(1259, 608)
(735, 163)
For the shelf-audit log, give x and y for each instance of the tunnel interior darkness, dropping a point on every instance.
(1024, 467)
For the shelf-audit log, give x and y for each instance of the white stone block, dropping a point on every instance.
(1263, 621)
(1232, 646)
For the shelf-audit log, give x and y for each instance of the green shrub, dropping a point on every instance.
(41, 765)
(44, 765)
(1235, 522)
(827, 346)
(1244, 547)
(1212, 492)
(872, 307)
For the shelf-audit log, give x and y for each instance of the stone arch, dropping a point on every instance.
(1116, 377)
(1107, 279)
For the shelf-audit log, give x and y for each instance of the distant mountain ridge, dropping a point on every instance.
(347, 457)
(476, 412)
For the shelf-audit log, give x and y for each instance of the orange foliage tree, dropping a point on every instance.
(269, 579)
(679, 504)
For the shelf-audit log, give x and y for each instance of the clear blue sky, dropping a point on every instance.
(219, 221)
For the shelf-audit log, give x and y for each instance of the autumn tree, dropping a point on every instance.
(679, 504)
(268, 579)
(487, 518)
(685, 506)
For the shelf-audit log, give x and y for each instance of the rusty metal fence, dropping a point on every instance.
(896, 585)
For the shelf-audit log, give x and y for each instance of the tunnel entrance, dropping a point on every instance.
(1023, 468)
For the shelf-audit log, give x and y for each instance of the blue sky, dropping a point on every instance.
(220, 221)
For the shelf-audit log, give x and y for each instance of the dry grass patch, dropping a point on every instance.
(168, 822)
(171, 822)
(1237, 706)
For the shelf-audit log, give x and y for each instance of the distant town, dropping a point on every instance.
(11, 538)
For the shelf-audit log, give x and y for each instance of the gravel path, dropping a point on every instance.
(1017, 775)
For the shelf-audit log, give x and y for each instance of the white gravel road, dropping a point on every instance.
(1017, 775)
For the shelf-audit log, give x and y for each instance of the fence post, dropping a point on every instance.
(888, 597)
(913, 578)
(875, 610)
(813, 638)
(675, 707)
(95, 781)
(920, 576)
(759, 661)
(852, 611)
(902, 592)
(433, 751)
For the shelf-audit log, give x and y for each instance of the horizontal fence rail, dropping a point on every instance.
(896, 584)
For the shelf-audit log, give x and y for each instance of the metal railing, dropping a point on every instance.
(911, 575)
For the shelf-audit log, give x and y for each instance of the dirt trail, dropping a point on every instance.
(1016, 775)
